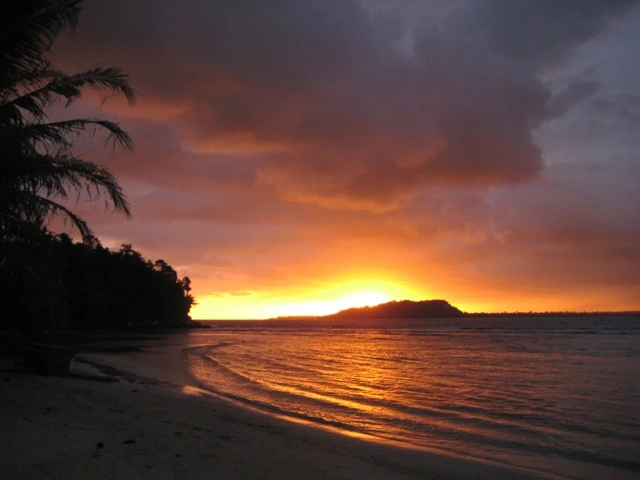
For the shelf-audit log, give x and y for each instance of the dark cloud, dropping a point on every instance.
(577, 204)
(341, 117)
(540, 33)
(573, 94)
(624, 107)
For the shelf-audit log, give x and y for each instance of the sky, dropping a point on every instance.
(298, 157)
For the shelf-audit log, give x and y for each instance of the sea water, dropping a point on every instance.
(558, 395)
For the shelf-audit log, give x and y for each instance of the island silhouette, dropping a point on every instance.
(402, 309)
(423, 309)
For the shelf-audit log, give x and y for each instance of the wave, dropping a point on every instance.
(555, 393)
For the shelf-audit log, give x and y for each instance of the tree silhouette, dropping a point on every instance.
(38, 167)
(89, 287)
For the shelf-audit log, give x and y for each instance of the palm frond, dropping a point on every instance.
(48, 209)
(55, 136)
(60, 175)
(51, 86)
(37, 165)
(94, 180)
(31, 212)
(29, 27)
(107, 81)
(25, 81)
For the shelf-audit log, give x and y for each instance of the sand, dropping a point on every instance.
(94, 426)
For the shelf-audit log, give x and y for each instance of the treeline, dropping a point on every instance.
(48, 283)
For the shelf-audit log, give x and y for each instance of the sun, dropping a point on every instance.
(326, 297)
(363, 299)
(329, 306)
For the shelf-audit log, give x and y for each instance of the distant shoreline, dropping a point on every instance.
(409, 309)
(465, 315)
(555, 314)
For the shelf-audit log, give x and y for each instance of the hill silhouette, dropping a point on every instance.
(402, 309)
(408, 309)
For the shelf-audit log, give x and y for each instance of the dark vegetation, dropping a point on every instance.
(48, 283)
(80, 286)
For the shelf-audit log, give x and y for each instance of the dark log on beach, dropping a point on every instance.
(47, 359)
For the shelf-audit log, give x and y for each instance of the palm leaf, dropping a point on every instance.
(39, 211)
(37, 165)
(55, 136)
(28, 29)
(51, 86)
(59, 176)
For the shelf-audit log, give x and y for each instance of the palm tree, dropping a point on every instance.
(37, 165)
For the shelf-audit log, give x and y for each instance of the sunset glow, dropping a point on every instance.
(340, 296)
(358, 299)
(330, 161)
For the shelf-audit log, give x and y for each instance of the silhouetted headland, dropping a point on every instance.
(409, 309)
(395, 309)
(402, 309)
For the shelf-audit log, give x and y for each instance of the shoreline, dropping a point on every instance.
(102, 422)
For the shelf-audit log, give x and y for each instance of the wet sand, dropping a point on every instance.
(106, 424)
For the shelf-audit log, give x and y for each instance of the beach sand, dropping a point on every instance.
(92, 425)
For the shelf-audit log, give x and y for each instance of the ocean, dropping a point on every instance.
(560, 396)
(552, 394)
